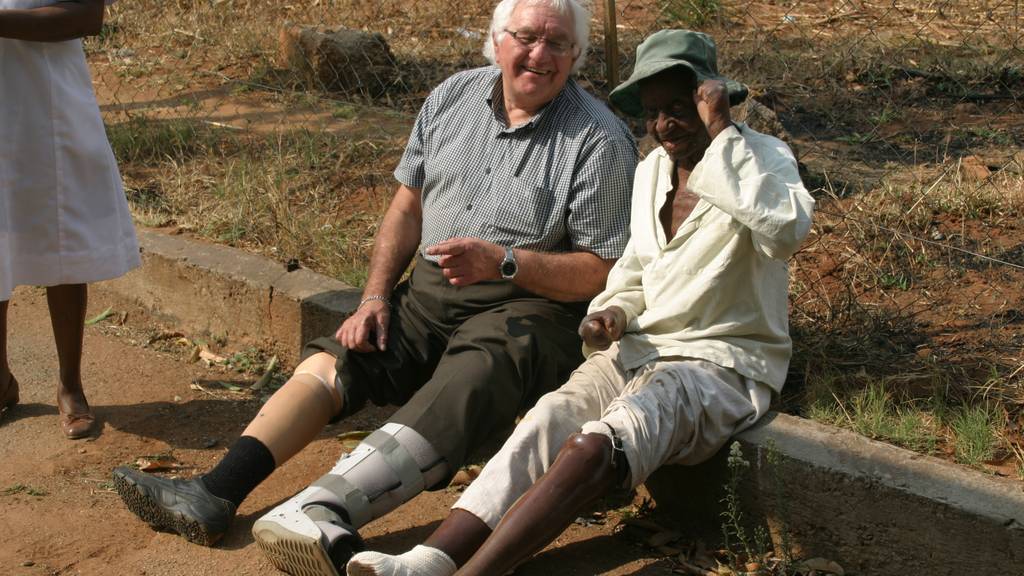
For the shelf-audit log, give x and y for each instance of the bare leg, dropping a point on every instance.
(5, 369)
(298, 412)
(8, 386)
(67, 316)
(583, 471)
(459, 536)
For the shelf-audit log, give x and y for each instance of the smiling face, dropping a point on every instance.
(533, 76)
(671, 117)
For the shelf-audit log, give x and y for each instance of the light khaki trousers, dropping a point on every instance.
(671, 411)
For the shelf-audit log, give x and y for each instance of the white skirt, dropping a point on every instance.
(64, 218)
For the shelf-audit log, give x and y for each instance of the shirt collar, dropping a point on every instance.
(496, 102)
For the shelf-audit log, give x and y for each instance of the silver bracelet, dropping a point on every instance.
(383, 299)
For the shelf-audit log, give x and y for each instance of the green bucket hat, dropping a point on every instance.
(667, 49)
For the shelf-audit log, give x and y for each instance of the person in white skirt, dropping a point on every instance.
(64, 220)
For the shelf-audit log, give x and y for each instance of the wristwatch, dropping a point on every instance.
(508, 267)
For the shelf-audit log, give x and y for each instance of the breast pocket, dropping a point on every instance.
(525, 213)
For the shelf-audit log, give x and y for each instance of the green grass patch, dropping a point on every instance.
(25, 489)
(874, 412)
(974, 437)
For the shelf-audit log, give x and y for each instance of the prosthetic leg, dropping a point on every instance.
(314, 532)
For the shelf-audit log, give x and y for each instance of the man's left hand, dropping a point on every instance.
(466, 261)
(712, 100)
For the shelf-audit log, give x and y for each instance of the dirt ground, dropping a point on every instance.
(59, 514)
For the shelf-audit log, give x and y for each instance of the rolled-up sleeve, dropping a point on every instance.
(762, 191)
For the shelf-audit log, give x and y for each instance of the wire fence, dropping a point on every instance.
(240, 121)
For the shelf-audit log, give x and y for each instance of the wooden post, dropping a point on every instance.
(611, 45)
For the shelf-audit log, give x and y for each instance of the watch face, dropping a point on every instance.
(508, 268)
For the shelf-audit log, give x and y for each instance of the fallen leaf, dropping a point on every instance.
(662, 538)
(147, 464)
(349, 440)
(466, 475)
(230, 386)
(268, 374)
(643, 524)
(822, 565)
(101, 317)
(210, 357)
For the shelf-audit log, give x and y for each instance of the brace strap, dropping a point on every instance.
(401, 462)
(353, 499)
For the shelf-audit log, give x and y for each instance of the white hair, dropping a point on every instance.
(575, 10)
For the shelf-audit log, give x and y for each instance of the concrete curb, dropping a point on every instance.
(216, 290)
(874, 508)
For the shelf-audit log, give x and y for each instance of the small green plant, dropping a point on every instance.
(24, 489)
(974, 439)
(774, 459)
(248, 361)
(897, 280)
(733, 530)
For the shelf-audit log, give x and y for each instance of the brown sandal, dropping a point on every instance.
(10, 395)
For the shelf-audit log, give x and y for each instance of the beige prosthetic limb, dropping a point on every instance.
(298, 412)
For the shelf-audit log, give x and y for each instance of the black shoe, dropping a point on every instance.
(182, 506)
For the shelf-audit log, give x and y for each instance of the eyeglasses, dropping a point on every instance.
(529, 40)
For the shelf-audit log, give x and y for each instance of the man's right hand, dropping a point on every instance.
(366, 329)
(599, 329)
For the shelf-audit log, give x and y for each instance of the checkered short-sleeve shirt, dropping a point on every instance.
(561, 182)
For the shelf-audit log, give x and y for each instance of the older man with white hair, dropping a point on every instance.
(512, 197)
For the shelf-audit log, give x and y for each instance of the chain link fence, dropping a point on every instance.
(235, 121)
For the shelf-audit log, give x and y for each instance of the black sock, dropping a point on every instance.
(247, 463)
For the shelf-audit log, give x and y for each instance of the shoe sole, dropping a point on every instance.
(139, 502)
(291, 552)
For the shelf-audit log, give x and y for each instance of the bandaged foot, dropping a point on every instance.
(420, 561)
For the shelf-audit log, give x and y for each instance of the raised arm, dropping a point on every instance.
(65, 20)
(759, 187)
(393, 249)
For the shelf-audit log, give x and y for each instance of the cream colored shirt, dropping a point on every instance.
(718, 289)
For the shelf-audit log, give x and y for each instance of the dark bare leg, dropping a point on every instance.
(5, 369)
(67, 316)
(583, 472)
(459, 536)
(8, 387)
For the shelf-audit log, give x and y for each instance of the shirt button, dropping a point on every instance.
(487, 170)
(469, 206)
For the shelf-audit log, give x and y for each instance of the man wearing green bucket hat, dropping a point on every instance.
(686, 345)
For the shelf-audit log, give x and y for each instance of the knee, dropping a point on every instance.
(322, 364)
(591, 455)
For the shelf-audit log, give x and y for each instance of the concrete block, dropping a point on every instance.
(220, 291)
(876, 509)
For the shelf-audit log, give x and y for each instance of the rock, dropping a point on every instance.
(342, 60)
(974, 169)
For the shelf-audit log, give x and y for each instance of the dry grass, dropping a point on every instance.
(907, 308)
